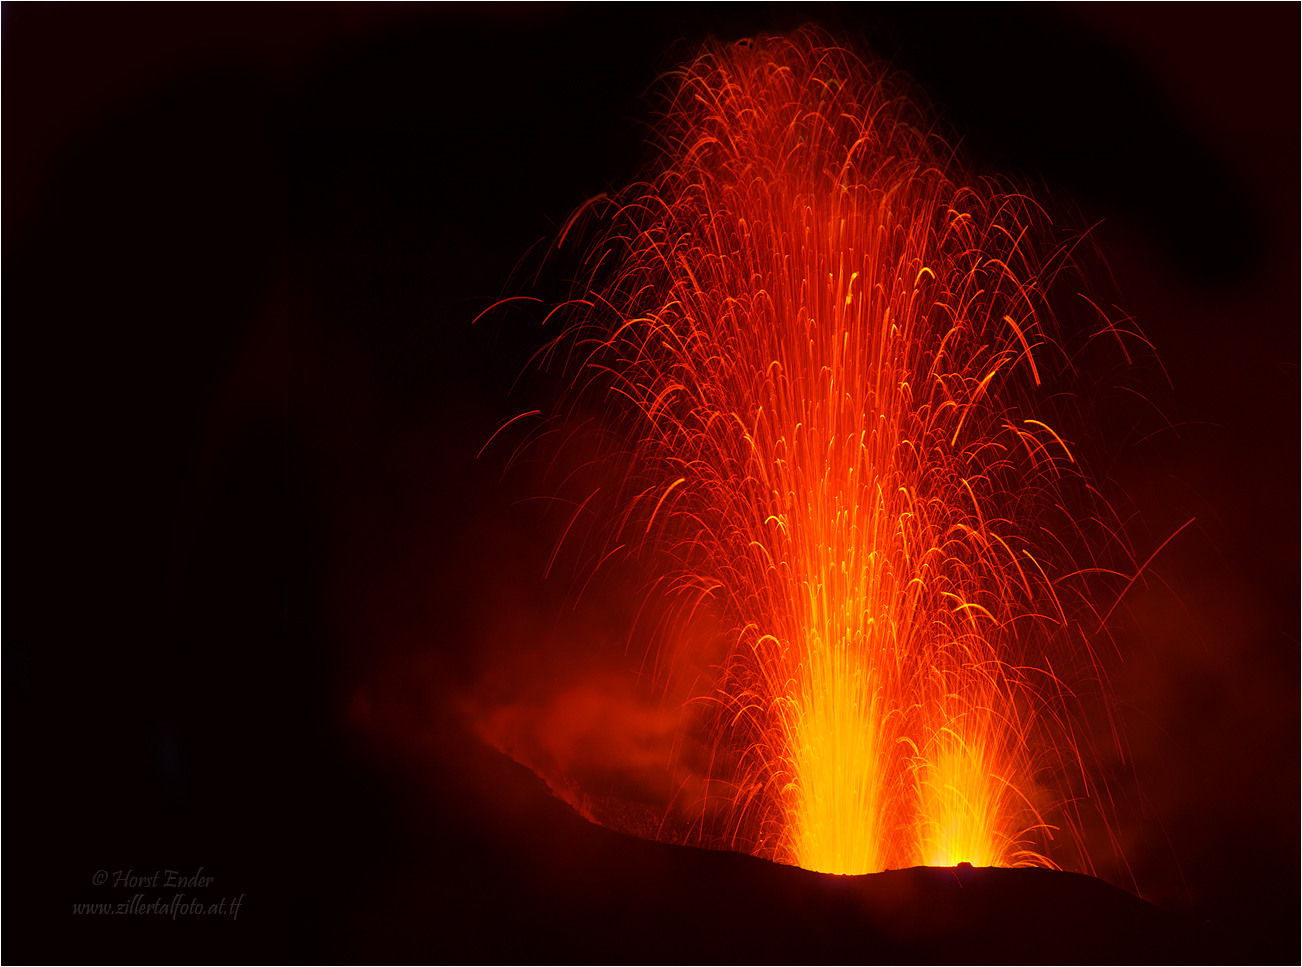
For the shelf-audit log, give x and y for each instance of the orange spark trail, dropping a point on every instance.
(826, 348)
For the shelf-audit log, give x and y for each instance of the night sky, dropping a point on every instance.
(253, 556)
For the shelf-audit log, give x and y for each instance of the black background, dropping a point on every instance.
(243, 247)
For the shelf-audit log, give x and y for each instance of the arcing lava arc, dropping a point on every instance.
(833, 396)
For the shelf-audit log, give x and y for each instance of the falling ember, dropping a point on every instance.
(827, 353)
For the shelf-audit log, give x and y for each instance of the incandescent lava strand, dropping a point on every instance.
(826, 355)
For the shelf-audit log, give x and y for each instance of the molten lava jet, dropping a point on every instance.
(835, 414)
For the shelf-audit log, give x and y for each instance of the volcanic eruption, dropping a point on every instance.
(270, 601)
(833, 412)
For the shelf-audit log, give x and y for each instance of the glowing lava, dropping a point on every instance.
(826, 350)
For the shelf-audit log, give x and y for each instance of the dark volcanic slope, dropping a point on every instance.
(510, 873)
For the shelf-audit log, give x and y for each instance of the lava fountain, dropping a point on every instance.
(826, 358)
